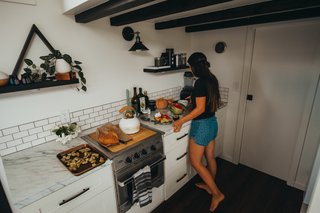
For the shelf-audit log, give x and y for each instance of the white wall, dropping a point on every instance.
(107, 64)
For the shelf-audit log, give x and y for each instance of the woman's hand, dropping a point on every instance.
(177, 125)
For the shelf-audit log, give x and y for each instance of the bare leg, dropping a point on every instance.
(212, 164)
(196, 152)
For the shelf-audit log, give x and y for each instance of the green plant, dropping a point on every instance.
(49, 65)
(66, 129)
(33, 72)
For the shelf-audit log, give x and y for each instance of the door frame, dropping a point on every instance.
(245, 81)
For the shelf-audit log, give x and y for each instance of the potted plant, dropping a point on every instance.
(56, 63)
(55, 66)
(66, 132)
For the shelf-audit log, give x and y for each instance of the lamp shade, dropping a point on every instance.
(138, 45)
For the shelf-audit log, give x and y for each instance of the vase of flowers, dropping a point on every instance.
(66, 132)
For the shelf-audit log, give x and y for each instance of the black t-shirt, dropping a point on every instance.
(200, 90)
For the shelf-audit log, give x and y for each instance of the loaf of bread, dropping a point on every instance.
(108, 134)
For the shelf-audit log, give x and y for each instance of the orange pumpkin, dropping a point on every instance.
(161, 103)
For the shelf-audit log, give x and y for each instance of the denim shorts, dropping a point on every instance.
(204, 130)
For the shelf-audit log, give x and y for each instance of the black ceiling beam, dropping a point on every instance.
(107, 9)
(238, 12)
(161, 9)
(284, 16)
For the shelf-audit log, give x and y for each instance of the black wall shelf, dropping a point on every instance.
(165, 69)
(43, 84)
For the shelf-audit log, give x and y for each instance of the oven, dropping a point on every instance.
(148, 152)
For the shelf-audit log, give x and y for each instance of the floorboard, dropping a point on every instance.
(246, 190)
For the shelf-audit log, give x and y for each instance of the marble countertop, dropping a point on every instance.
(36, 172)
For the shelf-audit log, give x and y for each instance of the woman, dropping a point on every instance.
(205, 100)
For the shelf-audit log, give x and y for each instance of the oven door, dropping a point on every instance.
(124, 180)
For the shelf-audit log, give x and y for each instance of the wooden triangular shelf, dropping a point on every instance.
(34, 30)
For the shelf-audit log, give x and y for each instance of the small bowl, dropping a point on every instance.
(4, 82)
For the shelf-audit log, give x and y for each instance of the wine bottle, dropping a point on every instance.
(142, 100)
(135, 100)
(146, 98)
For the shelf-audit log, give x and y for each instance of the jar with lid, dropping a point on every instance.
(183, 57)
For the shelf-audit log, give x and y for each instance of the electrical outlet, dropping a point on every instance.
(64, 116)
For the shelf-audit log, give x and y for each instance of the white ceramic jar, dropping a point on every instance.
(129, 125)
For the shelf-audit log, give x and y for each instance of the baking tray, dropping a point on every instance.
(81, 159)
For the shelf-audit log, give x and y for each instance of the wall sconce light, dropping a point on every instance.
(128, 35)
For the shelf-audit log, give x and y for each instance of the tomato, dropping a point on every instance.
(177, 105)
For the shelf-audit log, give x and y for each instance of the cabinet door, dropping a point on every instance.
(174, 139)
(101, 203)
(176, 158)
(176, 180)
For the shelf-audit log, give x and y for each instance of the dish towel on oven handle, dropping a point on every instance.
(142, 190)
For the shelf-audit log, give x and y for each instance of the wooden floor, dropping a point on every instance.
(246, 191)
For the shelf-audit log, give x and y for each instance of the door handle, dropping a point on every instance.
(249, 97)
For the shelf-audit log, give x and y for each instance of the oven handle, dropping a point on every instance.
(130, 179)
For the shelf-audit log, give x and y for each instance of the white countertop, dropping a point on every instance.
(36, 172)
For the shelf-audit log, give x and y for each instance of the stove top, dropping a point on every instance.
(133, 152)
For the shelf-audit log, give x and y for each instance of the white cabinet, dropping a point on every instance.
(177, 162)
(93, 193)
(72, 7)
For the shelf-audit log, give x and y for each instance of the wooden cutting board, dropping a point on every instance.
(135, 138)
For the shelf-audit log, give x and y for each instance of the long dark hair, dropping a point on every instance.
(200, 68)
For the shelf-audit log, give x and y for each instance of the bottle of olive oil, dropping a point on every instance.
(142, 100)
(135, 100)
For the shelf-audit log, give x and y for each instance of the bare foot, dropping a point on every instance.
(204, 186)
(215, 201)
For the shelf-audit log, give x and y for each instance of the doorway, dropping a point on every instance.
(280, 77)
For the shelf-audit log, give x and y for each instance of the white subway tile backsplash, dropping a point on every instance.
(83, 117)
(48, 127)
(84, 127)
(44, 134)
(74, 120)
(26, 126)
(77, 114)
(51, 137)
(88, 111)
(30, 134)
(3, 146)
(4, 139)
(29, 138)
(8, 151)
(10, 131)
(54, 119)
(41, 123)
(23, 146)
(106, 106)
(88, 121)
(20, 134)
(97, 109)
(35, 130)
(39, 141)
(14, 143)
(95, 114)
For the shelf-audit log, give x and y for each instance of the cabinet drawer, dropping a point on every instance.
(176, 158)
(174, 139)
(175, 181)
(74, 194)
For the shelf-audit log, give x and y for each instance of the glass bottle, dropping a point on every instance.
(135, 100)
(142, 100)
(146, 98)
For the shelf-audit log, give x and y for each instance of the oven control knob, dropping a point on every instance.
(153, 148)
(128, 159)
(136, 155)
(144, 152)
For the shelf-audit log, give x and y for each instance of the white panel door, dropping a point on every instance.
(281, 72)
